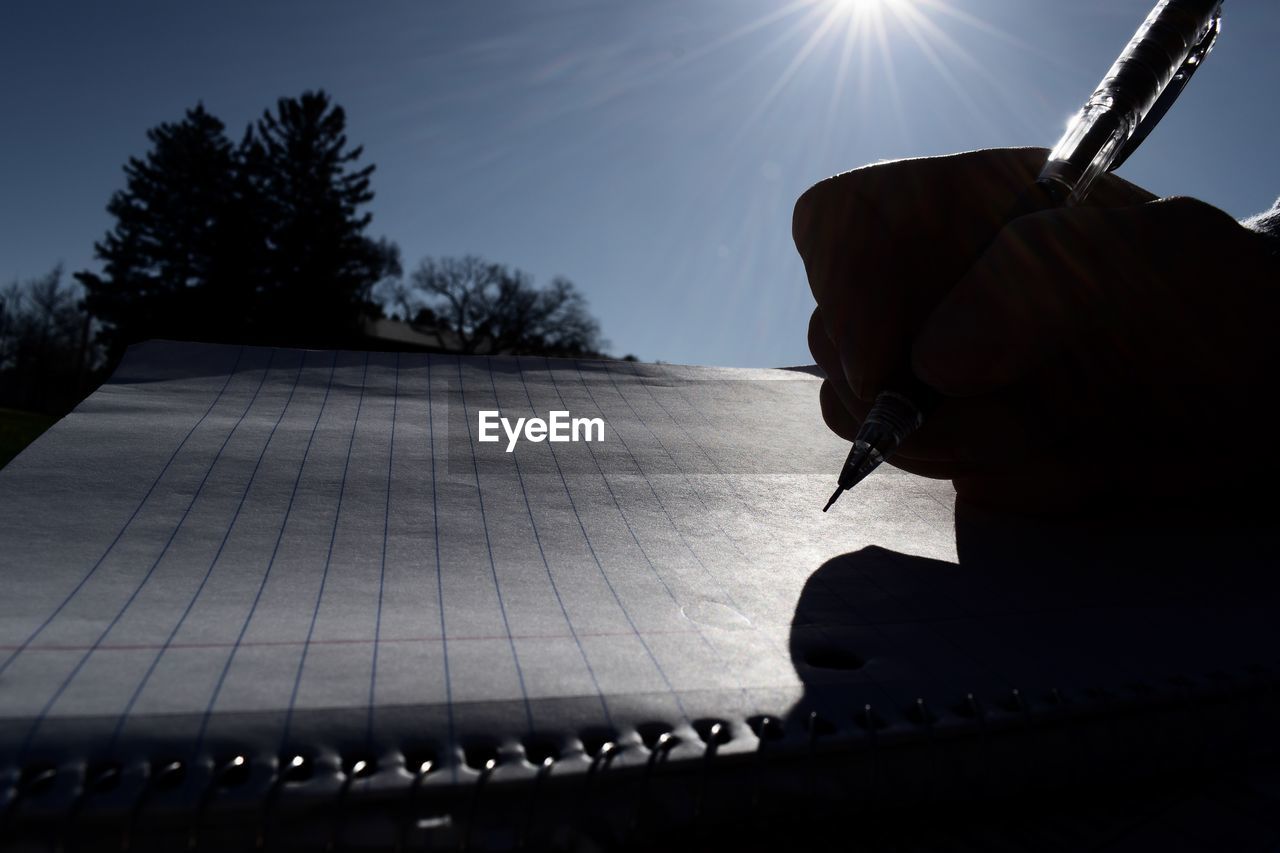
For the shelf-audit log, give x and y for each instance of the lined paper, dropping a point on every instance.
(227, 546)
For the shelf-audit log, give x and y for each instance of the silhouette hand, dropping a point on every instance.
(1118, 349)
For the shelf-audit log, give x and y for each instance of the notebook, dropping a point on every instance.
(266, 596)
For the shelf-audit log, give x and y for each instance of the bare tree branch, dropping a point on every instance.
(494, 309)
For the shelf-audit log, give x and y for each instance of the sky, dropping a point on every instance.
(648, 150)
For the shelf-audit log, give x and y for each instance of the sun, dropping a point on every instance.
(868, 7)
(862, 42)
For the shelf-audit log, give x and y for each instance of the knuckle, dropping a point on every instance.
(1194, 212)
(1023, 231)
(837, 418)
(818, 341)
(824, 202)
(808, 209)
(1026, 239)
(1011, 242)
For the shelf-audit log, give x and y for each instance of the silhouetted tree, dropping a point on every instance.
(162, 257)
(494, 309)
(261, 242)
(46, 355)
(321, 268)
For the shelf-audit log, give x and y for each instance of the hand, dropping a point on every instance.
(1121, 348)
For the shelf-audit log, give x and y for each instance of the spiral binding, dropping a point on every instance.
(716, 734)
(31, 781)
(651, 747)
(232, 773)
(544, 770)
(659, 749)
(161, 776)
(297, 769)
(409, 819)
(355, 771)
(98, 780)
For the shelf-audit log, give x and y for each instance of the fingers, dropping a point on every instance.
(1045, 279)
(837, 417)
(1123, 291)
(831, 359)
(997, 430)
(997, 323)
(852, 286)
(1046, 485)
(1065, 326)
(883, 243)
(924, 190)
(962, 433)
(827, 357)
(961, 436)
(1114, 191)
(1120, 323)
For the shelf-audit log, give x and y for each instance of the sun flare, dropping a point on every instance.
(859, 7)
(862, 43)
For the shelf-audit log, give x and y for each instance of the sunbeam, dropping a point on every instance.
(814, 40)
(866, 31)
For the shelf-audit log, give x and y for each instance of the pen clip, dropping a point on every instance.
(1171, 92)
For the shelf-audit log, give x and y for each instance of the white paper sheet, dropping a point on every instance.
(228, 546)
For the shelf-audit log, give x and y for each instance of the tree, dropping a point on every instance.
(259, 242)
(494, 309)
(159, 258)
(45, 351)
(321, 267)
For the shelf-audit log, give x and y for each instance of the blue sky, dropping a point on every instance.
(649, 150)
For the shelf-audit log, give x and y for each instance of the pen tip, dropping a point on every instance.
(834, 497)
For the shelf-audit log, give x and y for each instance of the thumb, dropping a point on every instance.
(1039, 283)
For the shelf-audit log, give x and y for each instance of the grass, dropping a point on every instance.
(18, 429)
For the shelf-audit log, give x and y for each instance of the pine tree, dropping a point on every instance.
(261, 242)
(321, 267)
(162, 262)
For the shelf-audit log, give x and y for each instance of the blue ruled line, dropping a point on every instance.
(66, 682)
(777, 645)
(444, 634)
(328, 561)
(734, 491)
(98, 563)
(604, 706)
(600, 566)
(636, 462)
(666, 514)
(244, 627)
(382, 569)
(653, 569)
(493, 569)
(155, 662)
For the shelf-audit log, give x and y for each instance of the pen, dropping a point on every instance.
(1133, 96)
